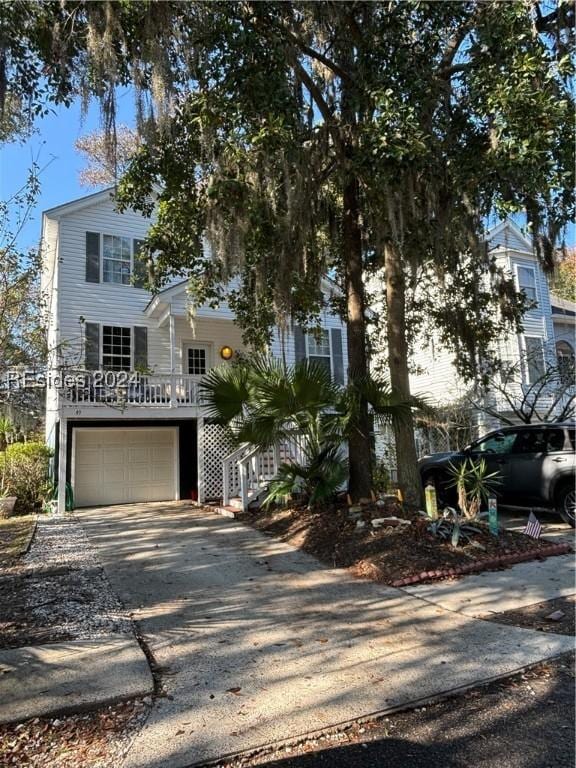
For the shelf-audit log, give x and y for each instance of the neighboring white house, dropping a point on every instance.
(123, 412)
(548, 331)
(547, 338)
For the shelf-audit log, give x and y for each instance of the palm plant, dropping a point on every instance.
(263, 402)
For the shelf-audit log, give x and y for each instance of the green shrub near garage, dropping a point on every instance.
(24, 474)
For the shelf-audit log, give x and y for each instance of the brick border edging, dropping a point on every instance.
(484, 565)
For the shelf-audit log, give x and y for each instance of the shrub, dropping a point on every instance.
(324, 472)
(380, 477)
(24, 474)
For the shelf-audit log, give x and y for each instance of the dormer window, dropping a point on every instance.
(117, 259)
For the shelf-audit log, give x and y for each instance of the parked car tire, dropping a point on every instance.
(566, 502)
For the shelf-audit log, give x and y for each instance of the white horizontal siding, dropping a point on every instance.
(282, 345)
(124, 305)
(435, 377)
(508, 238)
(211, 334)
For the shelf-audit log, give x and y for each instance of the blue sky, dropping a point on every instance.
(52, 147)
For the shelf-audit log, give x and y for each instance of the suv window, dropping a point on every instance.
(539, 441)
(572, 436)
(499, 443)
(555, 440)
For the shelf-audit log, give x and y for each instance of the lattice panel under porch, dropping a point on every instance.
(215, 446)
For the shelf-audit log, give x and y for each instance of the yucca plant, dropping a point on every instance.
(474, 485)
(451, 525)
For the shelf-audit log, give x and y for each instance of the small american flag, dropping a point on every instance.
(533, 527)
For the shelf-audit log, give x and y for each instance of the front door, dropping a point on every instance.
(196, 359)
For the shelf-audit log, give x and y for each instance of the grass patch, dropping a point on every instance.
(15, 533)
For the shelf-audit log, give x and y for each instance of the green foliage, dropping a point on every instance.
(263, 402)
(380, 477)
(474, 485)
(324, 472)
(24, 474)
(431, 117)
(452, 526)
(564, 278)
(6, 428)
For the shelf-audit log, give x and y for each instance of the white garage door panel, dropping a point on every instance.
(119, 466)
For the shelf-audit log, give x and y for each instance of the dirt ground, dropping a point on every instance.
(385, 554)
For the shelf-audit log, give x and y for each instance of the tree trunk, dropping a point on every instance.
(406, 457)
(359, 442)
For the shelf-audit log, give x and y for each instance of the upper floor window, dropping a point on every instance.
(319, 348)
(533, 359)
(527, 282)
(117, 259)
(116, 348)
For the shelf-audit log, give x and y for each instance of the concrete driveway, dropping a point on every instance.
(260, 643)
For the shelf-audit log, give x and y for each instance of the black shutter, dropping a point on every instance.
(299, 344)
(337, 359)
(92, 257)
(140, 268)
(141, 347)
(92, 337)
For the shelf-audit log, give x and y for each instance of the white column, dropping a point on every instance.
(172, 341)
(62, 465)
(172, 359)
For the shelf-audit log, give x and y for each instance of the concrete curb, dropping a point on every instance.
(71, 676)
(489, 563)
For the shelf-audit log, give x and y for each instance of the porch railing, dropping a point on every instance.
(248, 470)
(122, 389)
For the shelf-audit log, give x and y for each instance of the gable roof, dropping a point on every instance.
(508, 235)
(162, 299)
(79, 203)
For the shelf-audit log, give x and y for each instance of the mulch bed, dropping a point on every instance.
(557, 616)
(396, 556)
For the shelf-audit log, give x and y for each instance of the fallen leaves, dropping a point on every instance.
(97, 738)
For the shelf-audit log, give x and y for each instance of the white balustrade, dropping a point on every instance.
(123, 389)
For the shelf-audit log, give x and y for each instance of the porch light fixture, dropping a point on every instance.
(226, 353)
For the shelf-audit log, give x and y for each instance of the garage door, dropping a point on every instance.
(119, 466)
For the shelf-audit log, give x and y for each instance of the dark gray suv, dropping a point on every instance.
(536, 464)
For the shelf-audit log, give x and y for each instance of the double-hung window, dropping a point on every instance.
(116, 348)
(534, 359)
(319, 348)
(117, 259)
(527, 282)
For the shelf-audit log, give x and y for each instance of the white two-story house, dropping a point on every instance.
(123, 412)
(546, 340)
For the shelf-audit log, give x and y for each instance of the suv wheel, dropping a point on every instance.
(566, 503)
